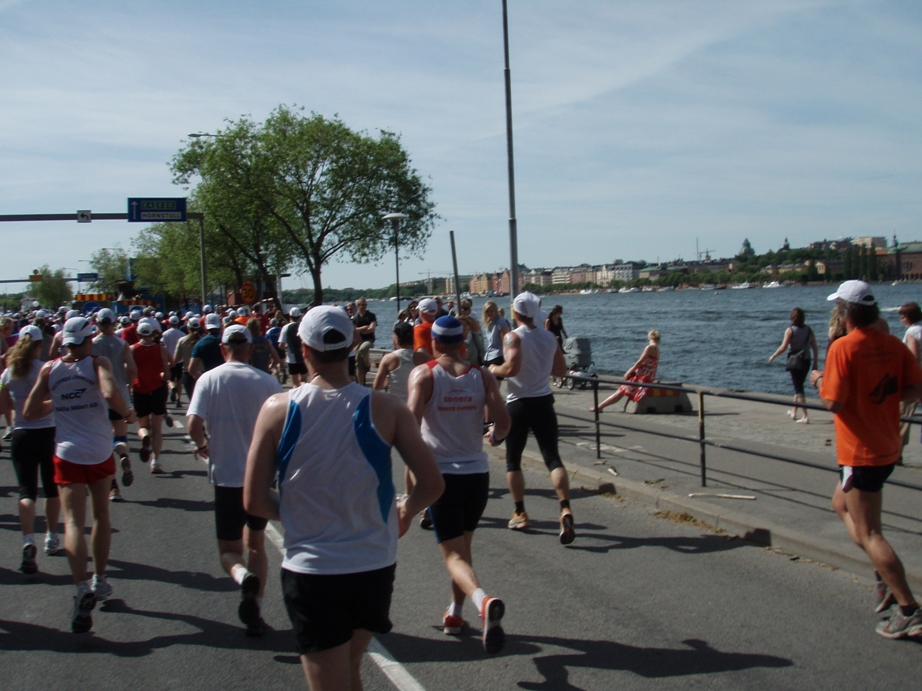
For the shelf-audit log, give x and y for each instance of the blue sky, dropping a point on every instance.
(639, 126)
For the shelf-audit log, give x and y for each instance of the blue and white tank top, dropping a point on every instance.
(335, 484)
(83, 432)
(538, 348)
(452, 424)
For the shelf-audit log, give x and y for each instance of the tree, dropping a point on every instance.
(299, 191)
(873, 268)
(52, 291)
(111, 264)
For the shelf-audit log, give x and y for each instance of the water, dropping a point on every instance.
(719, 338)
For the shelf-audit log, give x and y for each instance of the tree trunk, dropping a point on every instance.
(318, 286)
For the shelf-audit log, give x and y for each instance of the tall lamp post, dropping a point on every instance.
(513, 229)
(395, 220)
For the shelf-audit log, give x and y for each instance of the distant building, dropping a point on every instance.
(560, 275)
(905, 261)
(879, 241)
(629, 271)
(582, 274)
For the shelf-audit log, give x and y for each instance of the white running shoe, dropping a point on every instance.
(52, 544)
(101, 588)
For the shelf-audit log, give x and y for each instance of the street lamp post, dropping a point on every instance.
(513, 229)
(395, 219)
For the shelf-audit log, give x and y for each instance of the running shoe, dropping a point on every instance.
(491, 615)
(248, 611)
(168, 420)
(115, 495)
(792, 413)
(425, 520)
(451, 624)
(28, 566)
(567, 534)
(804, 421)
(84, 601)
(52, 544)
(9, 434)
(101, 588)
(155, 467)
(144, 454)
(257, 630)
(899, 625)
(519, 521)
(884, 599)
(127, 474)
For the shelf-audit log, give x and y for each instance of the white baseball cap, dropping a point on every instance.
(527, 304)
(857, 292)
(32, 332)
(329, 321)
(212, 321)
(174, 319)
(76, 331)
(428, 305)
(194, 322)
(236, 334)
(294, 312)
(145, 328)
(105, 315)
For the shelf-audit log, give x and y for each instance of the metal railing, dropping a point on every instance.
(703, 442)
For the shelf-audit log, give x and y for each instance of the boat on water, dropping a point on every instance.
(773, 284)
(625, 289)
(588, 291)
(646, 289)
(665, 289)
(708, 286)
(742, 286)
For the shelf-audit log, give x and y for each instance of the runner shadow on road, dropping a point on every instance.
(697, 657)
(196, 580)
(181, 504)
(211, 634)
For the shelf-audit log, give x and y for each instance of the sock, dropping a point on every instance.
(240, 574)
(478, 597)
(28, 539)
(565, 504)
(97, 577)
(908, 610)
(520, 507)
(454, 608)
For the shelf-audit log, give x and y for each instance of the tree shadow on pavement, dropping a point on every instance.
(23, 636)
(196, 580)
(695, 658)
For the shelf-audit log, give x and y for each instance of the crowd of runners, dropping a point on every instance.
(316, 458)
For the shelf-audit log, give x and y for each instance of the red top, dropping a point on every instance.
(150, 367)
(130, 334)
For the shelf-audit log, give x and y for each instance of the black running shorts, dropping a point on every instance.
(32, 451)
(297, 368)
(537, 415)
(325, 610)
(153, 403)
(461, 505)
(229, 515)
(867, 478)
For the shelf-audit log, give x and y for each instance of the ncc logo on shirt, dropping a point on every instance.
(71, 395)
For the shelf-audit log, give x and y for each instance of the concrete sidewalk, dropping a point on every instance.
(790, 510)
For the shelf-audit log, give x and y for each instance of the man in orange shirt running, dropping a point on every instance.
(867, 374)
(422, 332)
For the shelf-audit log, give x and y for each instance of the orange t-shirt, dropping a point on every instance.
(422, 337)
(866, 370)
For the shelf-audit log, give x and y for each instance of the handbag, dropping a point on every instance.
(798, 360)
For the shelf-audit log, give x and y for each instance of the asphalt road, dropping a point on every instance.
(637, 601)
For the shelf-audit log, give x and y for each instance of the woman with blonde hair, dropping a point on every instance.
(495, 328)
(644, 370)
(32, 446)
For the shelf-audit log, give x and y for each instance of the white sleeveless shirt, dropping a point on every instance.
(335, 484)
(453, 421)
(399, 378)
(538, 347)
(83, 432)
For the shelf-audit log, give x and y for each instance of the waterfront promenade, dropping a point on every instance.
(640, 600)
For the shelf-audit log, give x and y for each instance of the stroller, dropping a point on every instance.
(578, 354)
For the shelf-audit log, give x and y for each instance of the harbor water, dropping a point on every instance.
(717, 338)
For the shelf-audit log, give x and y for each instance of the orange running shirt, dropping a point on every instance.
(866, 370)
(422, 337)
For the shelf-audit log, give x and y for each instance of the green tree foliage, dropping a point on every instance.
(299, 191)
(52, 291)
(111, 264)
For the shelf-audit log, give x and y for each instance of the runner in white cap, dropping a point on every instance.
(79, 388)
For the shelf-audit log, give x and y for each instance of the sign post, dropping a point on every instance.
(156, 209)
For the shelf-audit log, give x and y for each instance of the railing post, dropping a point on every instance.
(704, 478)
(598, 431)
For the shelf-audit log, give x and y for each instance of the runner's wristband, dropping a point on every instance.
(202, 447)
(494, 440)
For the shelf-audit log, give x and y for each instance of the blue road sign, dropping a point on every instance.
(156, 209)
(87, 277)
(90, 307)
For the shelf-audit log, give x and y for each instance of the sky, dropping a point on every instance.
(642, 129)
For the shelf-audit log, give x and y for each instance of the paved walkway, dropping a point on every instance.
(790, 508)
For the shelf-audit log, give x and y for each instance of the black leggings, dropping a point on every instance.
(33, 451)
(537, 415)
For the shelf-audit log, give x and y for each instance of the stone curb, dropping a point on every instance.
(760, 532)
